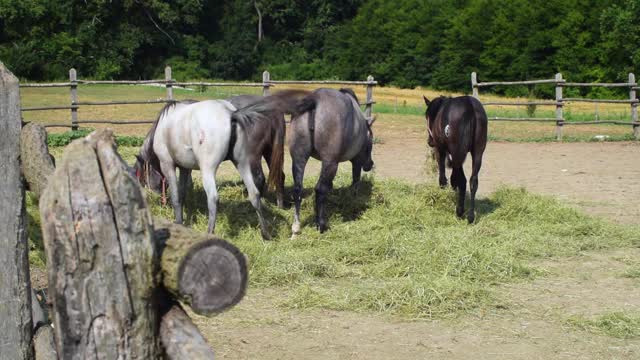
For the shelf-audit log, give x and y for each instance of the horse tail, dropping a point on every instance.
(307, 104)
(277, 154)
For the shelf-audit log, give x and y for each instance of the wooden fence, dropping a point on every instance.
(560, 101)
(169, 83)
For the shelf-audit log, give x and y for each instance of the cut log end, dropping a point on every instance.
(213, 274)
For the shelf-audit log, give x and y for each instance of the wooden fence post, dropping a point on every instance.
(15, 285)
(634, 105)
(266, 77)
(73, 78)
(559, 119)
(369, 107)
(474, 84)
(168, 84)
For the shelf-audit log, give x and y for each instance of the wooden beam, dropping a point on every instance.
(15, 285)
(207, 273)
(44, 343)
(181, 338)
(37, 163)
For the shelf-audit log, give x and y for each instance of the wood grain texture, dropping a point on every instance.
(98, 240)
(44, 344)
(37, 163)
(181, 338)
(15, 287)
(207, 273)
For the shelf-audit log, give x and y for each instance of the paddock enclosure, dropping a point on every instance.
(397, 276)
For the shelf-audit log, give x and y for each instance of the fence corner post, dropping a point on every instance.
(634, 105)
(168, 82)
(474, 84)
(369, 106)
(266, 78)
(73, 80)
(15, 294)
(559, 104)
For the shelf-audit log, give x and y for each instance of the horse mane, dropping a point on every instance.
(350, 92)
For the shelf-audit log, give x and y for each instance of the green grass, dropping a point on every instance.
(394, 247)
(615, 324)
(516, 112)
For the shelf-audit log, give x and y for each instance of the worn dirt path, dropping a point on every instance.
(530, 324)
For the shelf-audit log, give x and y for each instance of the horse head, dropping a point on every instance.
(433, 107)
(148, 175)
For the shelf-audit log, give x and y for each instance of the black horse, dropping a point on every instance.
(458, 126)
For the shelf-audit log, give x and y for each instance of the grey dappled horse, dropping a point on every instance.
(330, 127)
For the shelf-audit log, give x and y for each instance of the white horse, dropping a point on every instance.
(198, 135)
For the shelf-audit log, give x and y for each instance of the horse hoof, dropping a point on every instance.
(471, 218)
(460, 213)
(322, 228)
(295, 228)
(266, 236)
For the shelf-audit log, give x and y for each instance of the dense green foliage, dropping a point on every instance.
(63, 139)
(402, 42)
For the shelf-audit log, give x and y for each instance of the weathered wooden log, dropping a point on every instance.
(44, 343)
(37, 163)
(101, 258)
(15, 305)
(181, 338)
(208, 274)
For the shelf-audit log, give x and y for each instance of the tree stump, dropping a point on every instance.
(100, 255)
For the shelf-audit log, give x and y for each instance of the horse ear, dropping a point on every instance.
(426, 101)
(372, 120)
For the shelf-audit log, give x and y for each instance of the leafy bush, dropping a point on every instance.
(63, 139)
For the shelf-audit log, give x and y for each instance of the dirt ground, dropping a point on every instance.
(600, 178)
(531, 324)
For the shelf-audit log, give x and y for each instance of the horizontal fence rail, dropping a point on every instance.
(169, 83)
(560, 101)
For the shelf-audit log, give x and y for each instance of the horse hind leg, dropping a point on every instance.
(441, 155)
(473, 184)
(459, 182)
(324, 185)
(254, 196)
(297, 168)
(184, 183)
(210, 187)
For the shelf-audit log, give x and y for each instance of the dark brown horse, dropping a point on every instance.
(332, 129)
(458, 126)
(267, 139)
